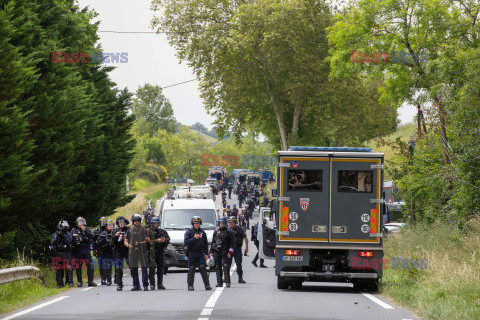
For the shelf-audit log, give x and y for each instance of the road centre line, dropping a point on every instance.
(21, 313)
(86, 289)
(208, 309)
(378, 301)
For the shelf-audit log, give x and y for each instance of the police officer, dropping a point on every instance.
(104, 246)
(196, 242)
(60, 245)
(251, 207)
(137, 239)
(234, 211)
(120, 251)
(161, 240)
(82, 238)
(240, 198)
(240, 236)
(230, 188)
(257, 244)
(96, 233)
(222, 251)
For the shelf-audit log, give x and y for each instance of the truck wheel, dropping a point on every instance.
(296, 285)
(281, 283)
(366, 285)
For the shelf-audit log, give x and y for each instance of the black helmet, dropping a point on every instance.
(136, 217)
(121, 218)
(63, 225)
(232, 219)
(196, 219)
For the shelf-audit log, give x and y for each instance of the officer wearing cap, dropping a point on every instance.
(82, 238)
(240, 236)
(196, 242)
(222, 251)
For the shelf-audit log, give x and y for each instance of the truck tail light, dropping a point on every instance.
(292, 252)
(365, 253)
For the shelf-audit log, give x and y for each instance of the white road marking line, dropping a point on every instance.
(206, 312)
(208, 309)
(21, 313)
(86, 289)
(378, 301)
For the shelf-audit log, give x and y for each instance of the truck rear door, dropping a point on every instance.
(304, 199)
(355, 185)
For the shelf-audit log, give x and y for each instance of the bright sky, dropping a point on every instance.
(152, 60)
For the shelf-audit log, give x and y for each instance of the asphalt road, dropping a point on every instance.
(259, 298)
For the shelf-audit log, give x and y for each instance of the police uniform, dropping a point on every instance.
(137, 255)
(81, 254)
(222, 245)
(104, 246)
(157, 257)
(60, 245)
(120, 252)
(239, 235)
(96, 252)
(197, 250)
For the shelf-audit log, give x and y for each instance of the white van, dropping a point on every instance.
(176, 218)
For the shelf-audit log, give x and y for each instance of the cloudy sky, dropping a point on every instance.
(152, 60)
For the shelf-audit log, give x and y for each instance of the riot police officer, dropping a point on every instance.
(82, 238)
(234, 211)
(196, 242)
(257, 243)
(60, 245)
(104, 246)
(240, 197)
(161, 239)
(222, 250)
(240, 236)
(120, 251)
(230, 188)
(96, 233)
(137, 239)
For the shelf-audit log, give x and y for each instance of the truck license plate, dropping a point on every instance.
(292, 258)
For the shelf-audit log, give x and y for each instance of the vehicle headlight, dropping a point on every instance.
(170, 247)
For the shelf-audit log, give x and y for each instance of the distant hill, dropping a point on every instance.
(403, 132)
(205, 136)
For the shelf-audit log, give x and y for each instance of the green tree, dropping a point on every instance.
(262, 66)
(152, 106)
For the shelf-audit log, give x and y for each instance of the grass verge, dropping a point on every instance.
(448, 287)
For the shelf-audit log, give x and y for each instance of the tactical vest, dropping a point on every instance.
(198, 243)
(238, 236)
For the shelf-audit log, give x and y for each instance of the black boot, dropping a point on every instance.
(226, 273)
(254, 262)
(240, 279)
(79, 277)
(59, 278)
(190, 277)
(119, 278)
(160, 279)
(261, 264)
(90, 274)
(108, 276)
(151, 277)
(219, 276)
(70, 277)
(103, 277)
(204, 274)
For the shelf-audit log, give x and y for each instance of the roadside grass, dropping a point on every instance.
(19, 294)
(448, 288)
(145, 191)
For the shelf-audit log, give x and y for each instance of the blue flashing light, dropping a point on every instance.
(337, 149)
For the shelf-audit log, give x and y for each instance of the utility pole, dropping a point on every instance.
(128, 189)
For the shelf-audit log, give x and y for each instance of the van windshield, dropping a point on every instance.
(181, 218)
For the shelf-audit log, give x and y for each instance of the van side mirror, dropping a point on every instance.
(274, 193)
(273, 206)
